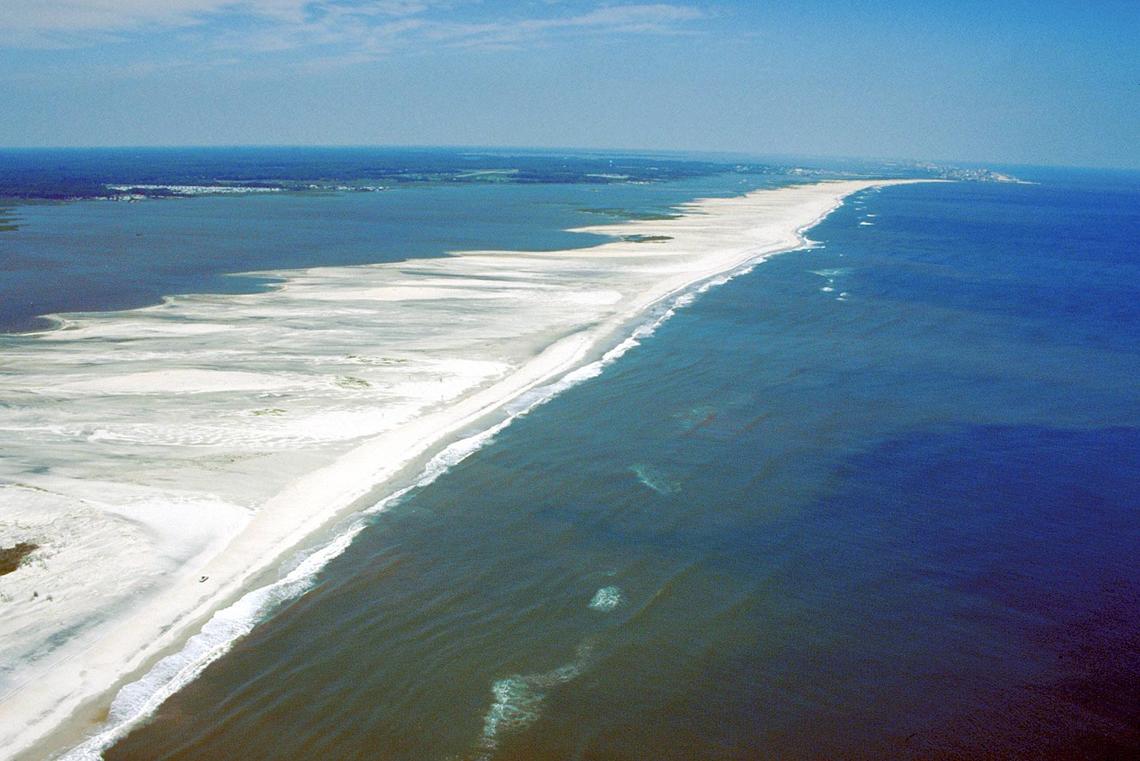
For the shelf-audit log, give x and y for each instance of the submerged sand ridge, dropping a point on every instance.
(161, 458)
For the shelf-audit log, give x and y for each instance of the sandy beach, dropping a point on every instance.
(199, 445)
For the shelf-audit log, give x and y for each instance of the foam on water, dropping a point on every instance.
(655, 479)
(606, 599)
(519, 698)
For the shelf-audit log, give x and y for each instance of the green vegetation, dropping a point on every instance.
(349, 381)
(11, 557)
(376, 360)
(631, 214)
(647, 238)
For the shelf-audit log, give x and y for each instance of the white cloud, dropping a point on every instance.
(116, 15)
(362, 27)
(622, 19)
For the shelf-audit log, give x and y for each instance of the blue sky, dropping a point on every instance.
(1006, 82)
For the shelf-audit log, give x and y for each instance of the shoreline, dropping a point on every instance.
(711, 239)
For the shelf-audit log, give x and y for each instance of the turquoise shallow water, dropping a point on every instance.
(874, 499)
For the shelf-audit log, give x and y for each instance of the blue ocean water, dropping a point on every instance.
(874, 499)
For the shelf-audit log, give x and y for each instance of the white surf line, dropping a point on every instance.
(725, 242)
(137, 700)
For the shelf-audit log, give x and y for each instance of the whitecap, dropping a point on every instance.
(655, 479)
(519, 698)
(606, 599)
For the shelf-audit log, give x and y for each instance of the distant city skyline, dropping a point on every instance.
(1051, 83)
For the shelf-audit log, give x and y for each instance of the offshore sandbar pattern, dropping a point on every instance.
(163, 457)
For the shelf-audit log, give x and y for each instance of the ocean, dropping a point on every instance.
(875, 498)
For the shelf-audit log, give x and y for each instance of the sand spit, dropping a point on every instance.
(162, 459)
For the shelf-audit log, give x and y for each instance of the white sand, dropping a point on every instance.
(212, 435)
